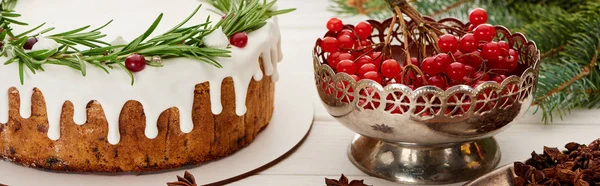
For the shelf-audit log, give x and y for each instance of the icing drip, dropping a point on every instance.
(157, 89)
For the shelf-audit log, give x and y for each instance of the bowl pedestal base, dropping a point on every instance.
(424, 164)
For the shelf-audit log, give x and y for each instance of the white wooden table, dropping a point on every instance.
(323, 153)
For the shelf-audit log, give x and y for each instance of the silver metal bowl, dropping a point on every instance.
(427, 135)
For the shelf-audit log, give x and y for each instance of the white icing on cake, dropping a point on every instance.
(157, 89)
(216, 39)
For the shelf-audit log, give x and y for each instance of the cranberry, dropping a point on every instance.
(29, 43)
(478, 16)
(335, 25)
(345, 41)
(456, 71)
(135, 63)
(468, 43)
(485, 32)
(329, 44)
(363, 30)
(346, 66)
(390, 68)
(239, 39)
(448, 43)
(366, 68)
(355, 77)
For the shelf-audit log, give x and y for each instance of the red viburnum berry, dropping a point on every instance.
(448, 43)
(329, 44)
(363, 30)
(390, 68)
(478, 16)
(485, 32)
(335, 25)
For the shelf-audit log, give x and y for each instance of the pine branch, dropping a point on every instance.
(584, 72)
(448, 8)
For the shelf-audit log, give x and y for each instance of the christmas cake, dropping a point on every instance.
(170, 90)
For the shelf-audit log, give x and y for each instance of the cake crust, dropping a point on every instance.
(85, 148)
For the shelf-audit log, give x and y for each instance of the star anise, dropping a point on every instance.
(187, 180)
(579, 165)
(343, 181)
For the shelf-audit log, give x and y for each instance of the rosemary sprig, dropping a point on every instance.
(82, 47)
(245, 15)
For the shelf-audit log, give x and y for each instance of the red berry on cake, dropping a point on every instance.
(335, 25)
(485, 32)
(329, 44)
(135, 63)
(29, 43)
(363, 30)
(478, 16)
(448, 43)
(390, 68)
(239, 40)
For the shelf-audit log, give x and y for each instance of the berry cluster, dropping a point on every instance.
(471, 59)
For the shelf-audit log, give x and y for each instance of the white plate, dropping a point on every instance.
(291, 122)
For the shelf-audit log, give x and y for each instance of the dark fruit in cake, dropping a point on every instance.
(239, 40)
(135, 63)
